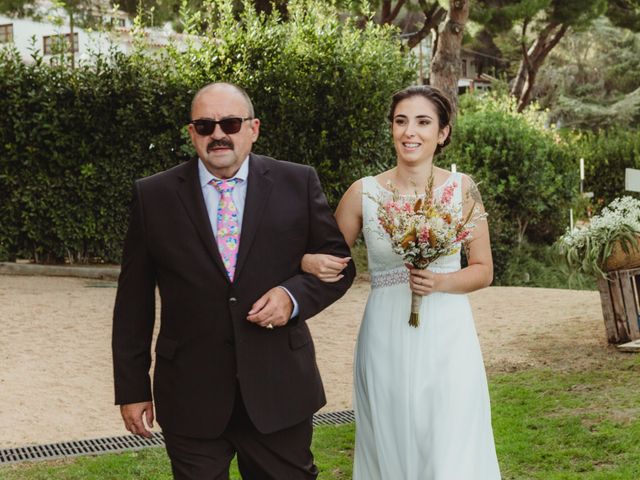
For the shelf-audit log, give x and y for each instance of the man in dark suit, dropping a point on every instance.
(222, 237)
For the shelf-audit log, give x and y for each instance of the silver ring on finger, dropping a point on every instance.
(269, 326)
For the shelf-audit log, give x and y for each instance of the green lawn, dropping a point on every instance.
(574, 425)
(333, 447)
(548, 425)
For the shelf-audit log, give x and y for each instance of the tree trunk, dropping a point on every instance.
(522, 228)
(532, 60)
(445, 67)
(521, 77)
(388, 14)
(518, 83)
(434, 15)
(72, 40)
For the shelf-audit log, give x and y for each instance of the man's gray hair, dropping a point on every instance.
(237, 88)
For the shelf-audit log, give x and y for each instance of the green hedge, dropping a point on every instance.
(606, 154)
(72, 142)
(524, 171)
(71, 146)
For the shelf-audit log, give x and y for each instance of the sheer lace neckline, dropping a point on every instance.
(446, 182)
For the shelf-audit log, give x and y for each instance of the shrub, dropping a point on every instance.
(72, 142)
(71, 146)
(534, 265)
(524, 169)
(606, 154)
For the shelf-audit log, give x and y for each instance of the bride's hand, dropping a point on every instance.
(326, 267)
(421, 282)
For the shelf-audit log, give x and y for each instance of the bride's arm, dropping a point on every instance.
(349, 217)
(349, 213)
(479, 272)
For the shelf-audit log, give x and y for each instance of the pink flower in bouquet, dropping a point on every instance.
(447, 193)
(462, 235)
(423, 236)
(391, 208)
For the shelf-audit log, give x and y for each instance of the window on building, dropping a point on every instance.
(6, 33)
(56, 43)
(116, 22)
(464, 67)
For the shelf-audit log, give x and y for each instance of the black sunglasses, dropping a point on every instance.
(229, 125)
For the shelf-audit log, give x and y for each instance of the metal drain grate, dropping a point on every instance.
(81, 447)
(124, 443)
(334, 418)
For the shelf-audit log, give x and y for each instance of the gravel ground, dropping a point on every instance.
(55, 357)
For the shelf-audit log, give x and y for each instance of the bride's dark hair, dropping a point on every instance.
(436, 96)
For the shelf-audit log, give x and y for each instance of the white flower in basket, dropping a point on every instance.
(609, 242)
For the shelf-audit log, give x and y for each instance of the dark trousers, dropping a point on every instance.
(282, 455)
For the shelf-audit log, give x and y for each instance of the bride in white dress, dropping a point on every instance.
(420, 394)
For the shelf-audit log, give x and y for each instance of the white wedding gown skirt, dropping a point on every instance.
(421, 398)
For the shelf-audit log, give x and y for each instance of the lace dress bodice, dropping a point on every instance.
(385, 266)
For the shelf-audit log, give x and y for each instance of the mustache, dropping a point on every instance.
(223, 142)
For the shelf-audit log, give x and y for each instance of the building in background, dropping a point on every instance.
(478, 70)
(101, 28)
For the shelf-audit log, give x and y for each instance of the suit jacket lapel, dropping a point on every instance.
(190, 194)
(258, 189)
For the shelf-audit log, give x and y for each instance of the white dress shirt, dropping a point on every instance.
(239, 195)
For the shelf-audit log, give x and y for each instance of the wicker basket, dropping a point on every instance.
(619, 260)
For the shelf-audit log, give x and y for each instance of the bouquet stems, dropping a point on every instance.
(414, 318)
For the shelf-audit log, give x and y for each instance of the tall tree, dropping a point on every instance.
(418, 16)
(434, 14)
(445, 66)
(558, 17)
(591, 80)
(625, 13)
(541, 25)
(390, 11)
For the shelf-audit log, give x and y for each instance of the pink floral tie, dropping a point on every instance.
(227, 224)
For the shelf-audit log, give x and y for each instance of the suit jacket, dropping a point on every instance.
(205, 345)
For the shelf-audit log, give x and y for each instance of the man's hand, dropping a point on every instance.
(273, 309)
(133, 415)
